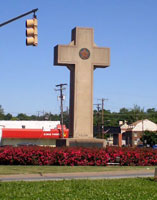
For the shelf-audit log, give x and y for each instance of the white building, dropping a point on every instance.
(27, 125)
(45, 125)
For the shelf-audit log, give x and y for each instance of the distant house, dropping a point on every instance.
(113, 135)
(131, 134)
(128, 134)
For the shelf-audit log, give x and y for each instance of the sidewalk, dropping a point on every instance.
(78, 175)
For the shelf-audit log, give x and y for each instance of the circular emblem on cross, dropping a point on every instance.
(84, 53)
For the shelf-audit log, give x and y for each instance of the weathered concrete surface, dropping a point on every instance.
(81, 57)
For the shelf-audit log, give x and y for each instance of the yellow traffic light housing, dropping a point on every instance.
(31, 32)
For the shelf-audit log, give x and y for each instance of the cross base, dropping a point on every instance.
(75, 142)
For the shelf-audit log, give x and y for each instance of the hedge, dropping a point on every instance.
(35, 155)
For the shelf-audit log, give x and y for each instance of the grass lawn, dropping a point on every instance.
(8, 169)
(118, 189)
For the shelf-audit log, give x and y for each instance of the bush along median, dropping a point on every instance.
(35, 155)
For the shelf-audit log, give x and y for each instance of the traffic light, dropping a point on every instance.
(31, 32)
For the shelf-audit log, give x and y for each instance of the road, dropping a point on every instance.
(82, 175)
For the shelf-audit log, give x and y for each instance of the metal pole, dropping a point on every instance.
(61, 97)
(62, 111)
(20, 16)
(102, 116)
(98, 113)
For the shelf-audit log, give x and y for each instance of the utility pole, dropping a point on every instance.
(102, 115)
(98, 113)
(98, 106)
(38, 114)
(61, 88)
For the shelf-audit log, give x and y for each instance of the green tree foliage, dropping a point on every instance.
(1, 113)
(125, 114)
(152, 114)
(22, 116)
(8, 116)
(1, 110)
(149, 138)
(110, 118)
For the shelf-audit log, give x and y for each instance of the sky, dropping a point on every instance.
(28, 76)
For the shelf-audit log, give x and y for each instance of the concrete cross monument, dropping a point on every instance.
(81, 57)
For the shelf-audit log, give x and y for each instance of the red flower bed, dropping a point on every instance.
(77, 156)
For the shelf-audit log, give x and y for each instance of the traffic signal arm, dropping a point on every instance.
(18, 17)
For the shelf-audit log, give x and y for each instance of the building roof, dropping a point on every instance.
(45, 125)
(141, 125)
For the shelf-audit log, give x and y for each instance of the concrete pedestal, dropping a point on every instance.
(73, 142)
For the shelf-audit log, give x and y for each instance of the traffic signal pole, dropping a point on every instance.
(18, 17)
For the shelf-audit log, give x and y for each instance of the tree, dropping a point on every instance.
(123, 111)
(149, 138)
(152, 114)
(66, 118)
(137, 113)
(151, 110)
(22, 116)
(1, 110)
(1, 113)
(8, 116)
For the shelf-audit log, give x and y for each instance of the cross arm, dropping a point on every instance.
(101, 57)
(64, 55)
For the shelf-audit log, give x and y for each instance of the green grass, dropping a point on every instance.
(8, 169)
(118, 189)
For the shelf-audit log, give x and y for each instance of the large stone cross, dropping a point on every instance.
(81, 57)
